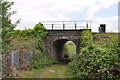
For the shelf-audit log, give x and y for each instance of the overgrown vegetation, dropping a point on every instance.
(33, 39)
(29, 39)
(41, 60)
(96, 60)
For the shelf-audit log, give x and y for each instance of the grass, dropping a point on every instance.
(29, 74)
(54, 71)
(22, 44)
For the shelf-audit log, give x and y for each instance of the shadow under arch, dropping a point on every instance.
(59, 48)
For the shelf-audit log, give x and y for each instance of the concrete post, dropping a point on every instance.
(102, 28)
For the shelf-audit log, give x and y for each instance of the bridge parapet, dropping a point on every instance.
(65, 32)
(67, 25)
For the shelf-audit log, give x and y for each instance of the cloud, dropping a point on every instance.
(33, 11)
(99, 5)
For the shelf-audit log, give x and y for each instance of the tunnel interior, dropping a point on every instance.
(59, 50)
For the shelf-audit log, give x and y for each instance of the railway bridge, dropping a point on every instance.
(59, 32)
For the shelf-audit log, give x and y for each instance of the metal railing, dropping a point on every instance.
(64, 25)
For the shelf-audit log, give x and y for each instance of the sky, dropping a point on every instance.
(99, 12)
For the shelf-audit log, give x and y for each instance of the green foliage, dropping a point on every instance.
(87, 63)
(35, 39)
(5, 22)
(41, 59)
(37, 32)
(102, 40)
(86, 38)
(96, 61)
(0, 40)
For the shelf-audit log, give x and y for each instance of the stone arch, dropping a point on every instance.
(58, 47)
(55, 36)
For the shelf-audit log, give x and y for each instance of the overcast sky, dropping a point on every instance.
(99, 11)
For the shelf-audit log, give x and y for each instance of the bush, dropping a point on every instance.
(37, 32)
(94, 61)
(86, 38)
(41, 59)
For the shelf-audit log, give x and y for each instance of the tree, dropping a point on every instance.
(5, 23)
(7, 26)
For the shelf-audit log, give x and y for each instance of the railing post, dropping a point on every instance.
(63, 25)
(87, 25)
(75, 25)
(52, 26)
(90, 24)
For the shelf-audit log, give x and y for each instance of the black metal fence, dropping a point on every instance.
(64, 25)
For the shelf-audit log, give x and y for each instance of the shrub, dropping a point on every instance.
(37, 32)
(94, 61)
(86, 38)
(41, 59)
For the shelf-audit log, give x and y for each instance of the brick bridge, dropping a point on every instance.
(60, 33)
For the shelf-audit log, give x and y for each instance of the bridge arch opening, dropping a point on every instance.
(69, 49)
(63, 48)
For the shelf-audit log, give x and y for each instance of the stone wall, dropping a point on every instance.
(14, 61)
